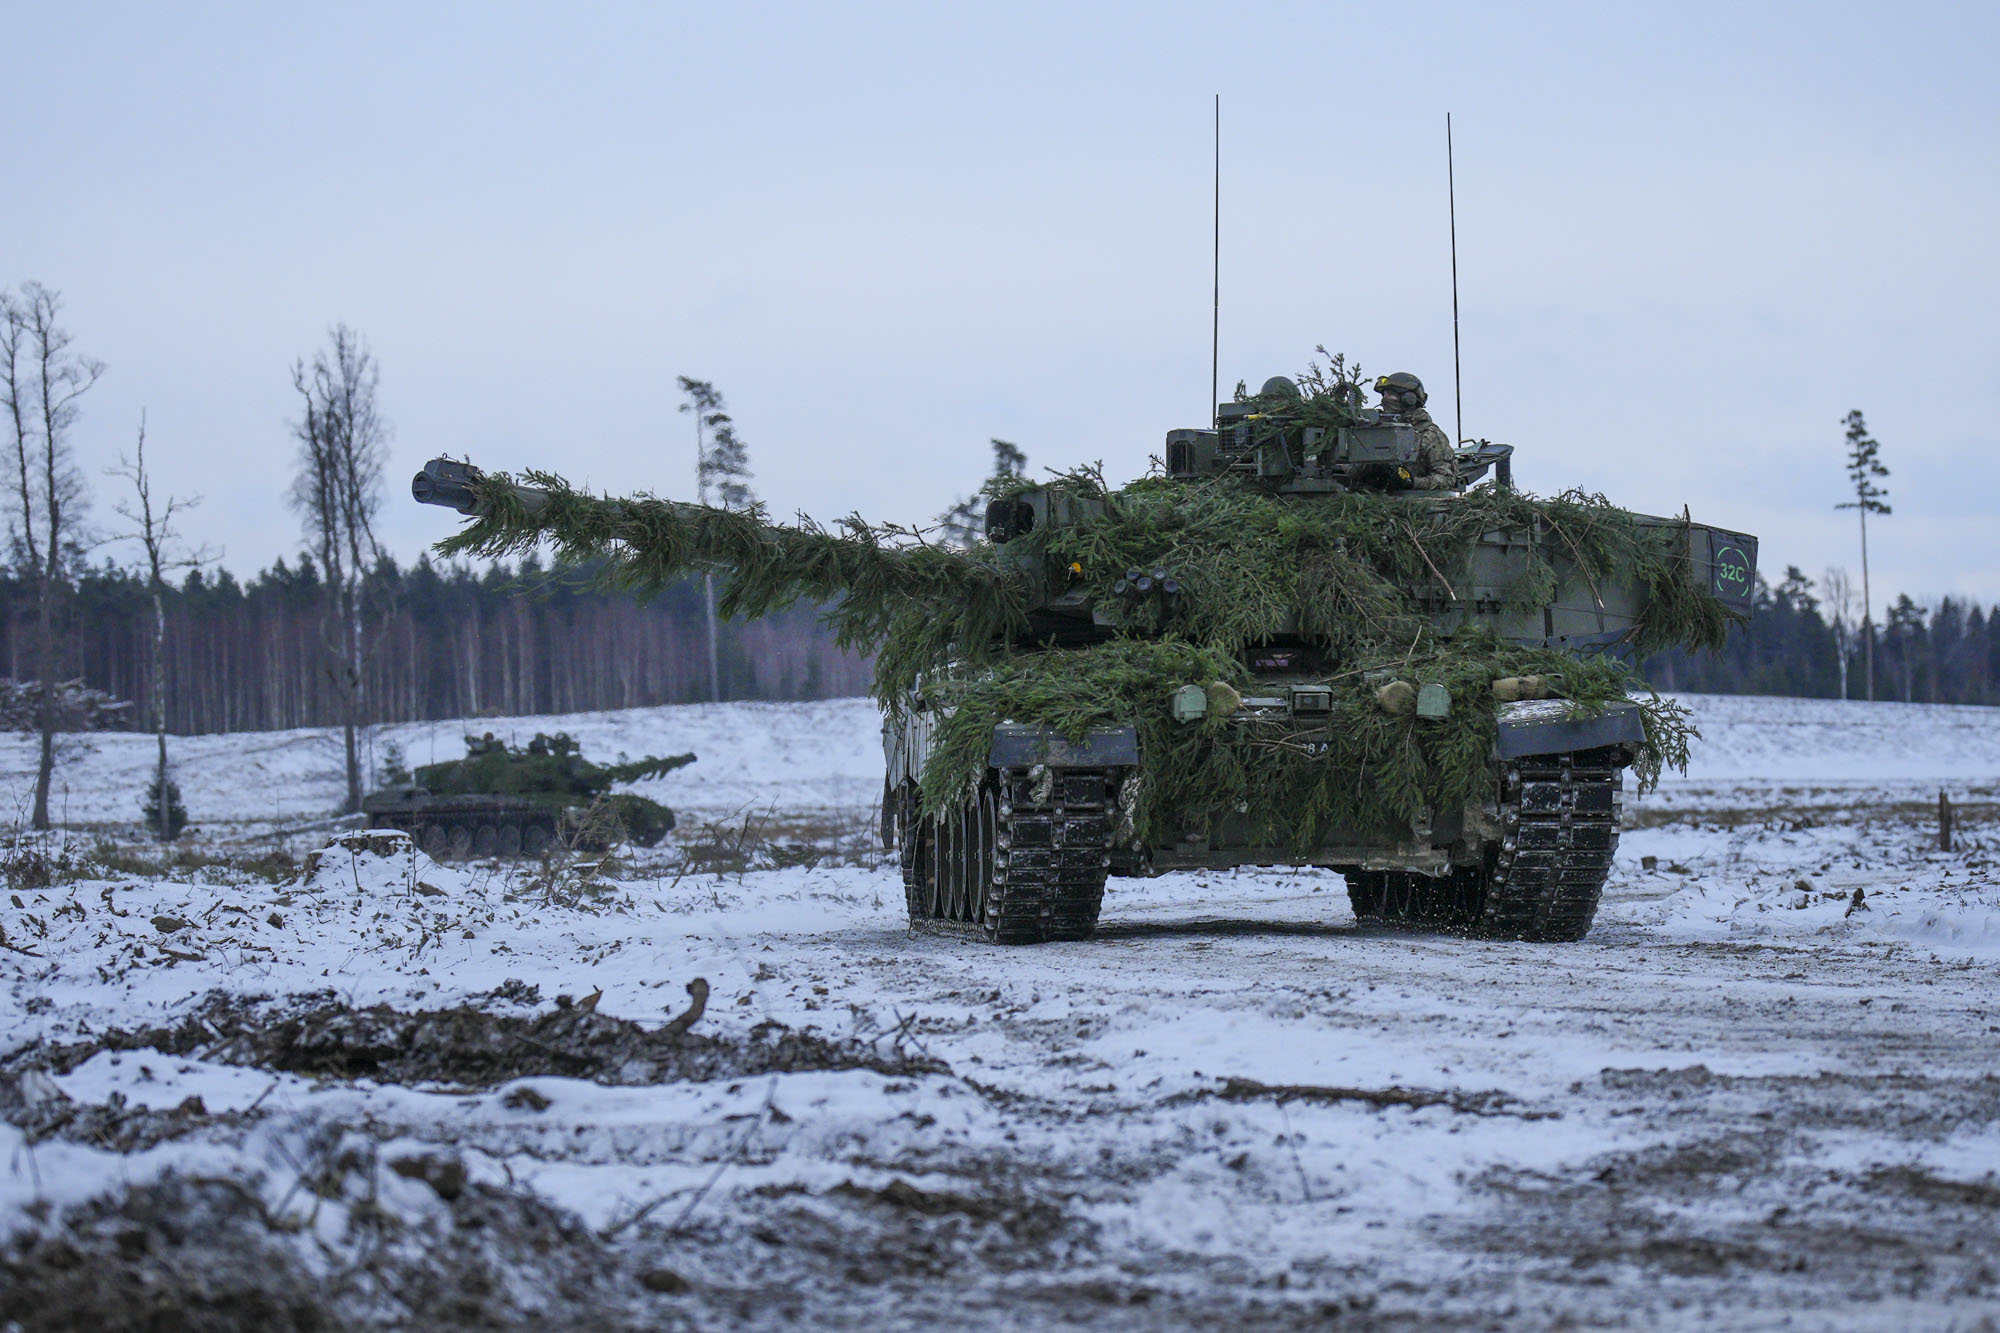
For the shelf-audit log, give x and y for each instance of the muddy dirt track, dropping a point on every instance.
(1261, 1119)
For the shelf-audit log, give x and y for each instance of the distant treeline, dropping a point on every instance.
(444, 642)
(1948, 653)
(459, 642)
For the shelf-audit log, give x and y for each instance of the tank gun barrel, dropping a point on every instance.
(641, 769)
(645, 543)
(455, 485)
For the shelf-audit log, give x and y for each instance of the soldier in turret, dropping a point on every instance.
(1436, 468)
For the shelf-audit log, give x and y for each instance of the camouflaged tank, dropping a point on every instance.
(1272, 651)
(500, 801)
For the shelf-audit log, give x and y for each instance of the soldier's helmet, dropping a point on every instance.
(1401, 391)
(1278, 386)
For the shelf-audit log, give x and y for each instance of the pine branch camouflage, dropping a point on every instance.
(1363, 581)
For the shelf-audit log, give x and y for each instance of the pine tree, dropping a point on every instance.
(1864, 465)
(1906, 639)
(165, 815)
(721, 461)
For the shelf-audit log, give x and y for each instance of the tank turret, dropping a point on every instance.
(502, 801)
(1276, 649)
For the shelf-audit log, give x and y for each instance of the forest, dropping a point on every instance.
(1947, 652)
(457, 640)
(443, 642)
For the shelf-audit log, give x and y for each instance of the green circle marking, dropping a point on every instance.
(1732, 572)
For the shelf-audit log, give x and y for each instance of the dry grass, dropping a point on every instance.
(774, 840)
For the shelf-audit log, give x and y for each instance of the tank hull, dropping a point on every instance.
(1054, 816)
(487, 825)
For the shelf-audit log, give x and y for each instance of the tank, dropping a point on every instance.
(502, 801)
(1273, 650)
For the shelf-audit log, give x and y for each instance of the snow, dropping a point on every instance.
(1768, 739)
(1736, 1062)
(816, 756)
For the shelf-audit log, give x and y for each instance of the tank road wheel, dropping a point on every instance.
(460, 839)
(433, 840)
(983, 841)
(914, 855)
(953, 874)
(485, 840)
(936, 907)
(535, 839)
(510, 840)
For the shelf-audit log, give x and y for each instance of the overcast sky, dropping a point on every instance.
(1691, 238)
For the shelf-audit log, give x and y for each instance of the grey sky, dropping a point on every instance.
(1691, 238)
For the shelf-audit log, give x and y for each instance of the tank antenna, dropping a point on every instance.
(1215, 323)
(1451, 194)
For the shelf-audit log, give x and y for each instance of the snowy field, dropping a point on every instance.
(1764, 1092)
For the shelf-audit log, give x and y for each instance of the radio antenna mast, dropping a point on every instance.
(1215, 323)
(1451, 194)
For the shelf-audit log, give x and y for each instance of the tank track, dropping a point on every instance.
(1023, 862)
(1559, 818)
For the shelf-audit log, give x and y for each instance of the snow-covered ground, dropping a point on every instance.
(1764, 1093)
(820, 756)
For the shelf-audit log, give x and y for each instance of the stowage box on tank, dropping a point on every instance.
(1317, 636)
(500, 801)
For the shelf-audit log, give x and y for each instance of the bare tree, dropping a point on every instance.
(1839, 590)
(343, 443)
(152, 526)
(1864, 466)
(43, 379)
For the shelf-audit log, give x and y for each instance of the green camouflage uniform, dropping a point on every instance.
(1436, 468)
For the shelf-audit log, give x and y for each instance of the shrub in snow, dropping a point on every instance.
(165, 815)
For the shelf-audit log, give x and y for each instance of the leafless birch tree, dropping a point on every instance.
(343, 443)
(42, 377)
(1839, 589)
(152, 526)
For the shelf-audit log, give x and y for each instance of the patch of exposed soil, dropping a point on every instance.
(995, 1253)
(1900, 1104)
(204, 1254)
(30, 1101)
(321, 1037)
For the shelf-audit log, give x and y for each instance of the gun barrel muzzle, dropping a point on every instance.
(447, 482)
